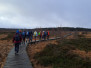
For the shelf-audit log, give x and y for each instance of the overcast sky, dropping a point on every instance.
(45, 13)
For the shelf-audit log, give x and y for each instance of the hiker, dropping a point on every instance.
(27, 36)
(23, 36)
(30, 36)
(45, 34)
(20, 32)
(17, 40)
(48, 33)
(40, 35)
(35, 35)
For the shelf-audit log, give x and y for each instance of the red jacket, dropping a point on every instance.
(17, 41)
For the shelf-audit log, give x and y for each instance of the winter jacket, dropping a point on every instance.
(14, 41)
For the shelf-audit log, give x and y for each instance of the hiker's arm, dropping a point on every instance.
(20, 38)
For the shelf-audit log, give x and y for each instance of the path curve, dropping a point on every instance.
(22, 60)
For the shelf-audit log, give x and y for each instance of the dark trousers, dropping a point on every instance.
(17, 47)
(39, 37)
(44, 37)
(47, 37)
(23, 39)
(30, 38)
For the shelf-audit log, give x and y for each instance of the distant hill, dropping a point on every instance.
(50, 29)
(65, 29)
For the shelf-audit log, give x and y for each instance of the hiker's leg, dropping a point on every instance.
(28, 38)
(48, 37)
(35, 38)
(44, 37)
(19, 43)
(17, 48)
(31, 38)
(24, 40)
(40, 37)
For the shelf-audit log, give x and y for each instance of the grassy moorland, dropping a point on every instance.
(62, 55)
(8, 37)
(5, 46)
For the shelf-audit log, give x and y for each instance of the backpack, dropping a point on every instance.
(27, 33)
(48, 33)
(45, 33)
(39, 33)
(17, 38)
(35, 33)
(23, 33)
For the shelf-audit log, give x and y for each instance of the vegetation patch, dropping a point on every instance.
(9, 37)
(60, 55)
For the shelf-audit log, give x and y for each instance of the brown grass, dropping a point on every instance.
(33, 49)
(82, 54)
(5, 47)
(3, 36)
(88, 35)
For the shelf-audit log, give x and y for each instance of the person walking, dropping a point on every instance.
(35, 35)
(17, 40)
(27, 36)
(31, 36)
(23, 36)
(45, 34)
(48, 34)
(40, 35)
(20, 32)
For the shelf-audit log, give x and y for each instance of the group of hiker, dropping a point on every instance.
(36, 35)
(24, 36)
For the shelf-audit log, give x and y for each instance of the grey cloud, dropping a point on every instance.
(48, 13)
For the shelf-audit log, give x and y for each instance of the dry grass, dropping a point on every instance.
(75, 51)
(3, 36)
(5, 47)
(88, 35)
(82, 53)
(33, 49)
